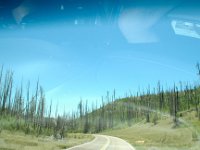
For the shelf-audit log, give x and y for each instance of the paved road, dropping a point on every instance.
(103, 142)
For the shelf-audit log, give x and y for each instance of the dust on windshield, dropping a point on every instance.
(72, 71)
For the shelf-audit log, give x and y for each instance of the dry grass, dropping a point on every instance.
(20, 141)
(146, 136)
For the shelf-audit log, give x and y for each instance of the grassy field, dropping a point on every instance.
(147, 136)
(20, 141)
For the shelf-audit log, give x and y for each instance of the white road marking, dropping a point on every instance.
(129, 145)
(104, 142)
(107, 143)
(83, 144)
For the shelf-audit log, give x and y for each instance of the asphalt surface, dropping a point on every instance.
(103, 142)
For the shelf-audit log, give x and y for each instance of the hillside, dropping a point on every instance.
(147, 136)
(158, 116)
(150, 106)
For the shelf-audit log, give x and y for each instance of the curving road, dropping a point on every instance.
(104, 142)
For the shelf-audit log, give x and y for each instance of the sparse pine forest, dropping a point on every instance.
(28, 111)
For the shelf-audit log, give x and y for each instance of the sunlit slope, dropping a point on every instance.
(162, 135)
(150, 107)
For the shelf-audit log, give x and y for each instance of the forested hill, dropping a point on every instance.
(28, 112)
(149, 106)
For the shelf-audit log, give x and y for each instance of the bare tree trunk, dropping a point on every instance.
(6, 89)
(175, 105)
(1, 87)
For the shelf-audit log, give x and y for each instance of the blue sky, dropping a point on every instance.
(86, 61)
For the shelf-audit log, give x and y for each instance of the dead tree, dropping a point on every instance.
(175, 106)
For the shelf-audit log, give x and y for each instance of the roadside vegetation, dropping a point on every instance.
(164, 117)
(27, 123)
(20, 141)
(162, 136)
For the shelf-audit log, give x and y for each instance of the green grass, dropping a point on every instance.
(147, 136)
(20, 141)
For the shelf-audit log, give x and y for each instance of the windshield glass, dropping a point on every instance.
(83, 50)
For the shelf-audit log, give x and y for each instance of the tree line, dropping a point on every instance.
(23, 110)
(27, 111)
